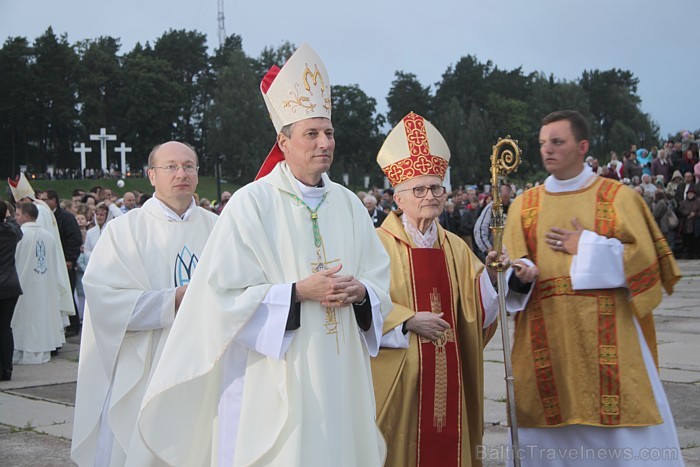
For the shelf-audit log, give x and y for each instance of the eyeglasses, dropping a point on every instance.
(188, 168)
(421, 191)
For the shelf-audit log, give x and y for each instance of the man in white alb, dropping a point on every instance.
(134, 284)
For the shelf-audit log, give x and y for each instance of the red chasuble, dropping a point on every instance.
(440, 400)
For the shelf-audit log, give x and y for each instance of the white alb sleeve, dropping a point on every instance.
(266, 332)
(489, 298)
(396, 339)
(155, 309)
(373, 336)
(599, 263)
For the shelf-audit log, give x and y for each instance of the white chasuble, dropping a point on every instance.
(47, 220)
(312, 404)
(139, 253)
(37, 311)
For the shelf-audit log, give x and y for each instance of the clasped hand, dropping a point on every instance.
(330, 289)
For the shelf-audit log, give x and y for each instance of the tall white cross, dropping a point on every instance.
(103, 137)
(123, 149)
(82, 149)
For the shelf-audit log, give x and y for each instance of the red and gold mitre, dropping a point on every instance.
(299, 90)
(413, 148)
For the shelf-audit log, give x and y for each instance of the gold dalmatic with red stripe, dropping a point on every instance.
(576, 354)
(440, 391)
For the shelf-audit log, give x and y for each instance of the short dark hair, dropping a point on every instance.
(78, 192)
(51, 194)
(29, 209)
(3, 211)
(579, 126)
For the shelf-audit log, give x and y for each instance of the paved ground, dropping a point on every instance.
(36, 407)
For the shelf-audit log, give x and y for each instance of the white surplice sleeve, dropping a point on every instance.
(266, 332)
(155, 309)
(372, 337)
(599, 263)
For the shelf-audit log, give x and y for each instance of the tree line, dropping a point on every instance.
(54, 94)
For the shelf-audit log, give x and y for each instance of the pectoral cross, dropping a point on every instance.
(440, 401)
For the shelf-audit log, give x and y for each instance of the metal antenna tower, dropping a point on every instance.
(222, 26)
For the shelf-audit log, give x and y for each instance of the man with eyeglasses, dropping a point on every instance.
(286, 309)
(134, 283)
(428, 376)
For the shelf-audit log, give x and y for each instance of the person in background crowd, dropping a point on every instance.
(37, 317)
(672, 187)
(128, 202)
(77, 195)
(23, 192)
(225, 197)
(205, 203)
(644, 158)
(631, 167)
(10, 289)
(659, 210)
(661, 166)
(689, 215)
(387, 203)
(377, 216)
(71, 240)
(482, 232)
(142, 199)
(649, 188)
(93, 235)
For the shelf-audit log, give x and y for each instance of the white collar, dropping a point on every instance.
(172, 215)
(582, 180)
(426, 240)
(311, 194)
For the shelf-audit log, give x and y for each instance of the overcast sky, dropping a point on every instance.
(364, 42)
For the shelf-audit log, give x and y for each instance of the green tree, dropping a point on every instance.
(270, 56)
(238, 123)
(466, 82)
(186, 53)
(99, 83)
(356, 133)
(612, 97)
(406, 95)
(54, 71)
(148, 104)
(19, 109)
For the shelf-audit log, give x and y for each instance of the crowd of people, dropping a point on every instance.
(319, 329)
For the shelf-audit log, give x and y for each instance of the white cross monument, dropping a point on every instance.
(82, 149)
(103, 137)
(123, 149)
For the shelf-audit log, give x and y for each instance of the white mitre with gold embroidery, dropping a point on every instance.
(21, 188)
(413, 148)
(300, 90)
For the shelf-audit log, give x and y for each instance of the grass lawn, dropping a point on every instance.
(205, 189)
